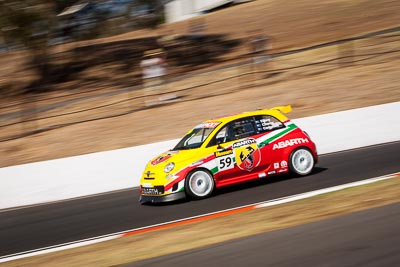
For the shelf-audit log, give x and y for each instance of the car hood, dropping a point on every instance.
(154, 172)
(176, 156)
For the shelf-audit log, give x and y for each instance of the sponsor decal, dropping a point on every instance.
(160, 159)
(157, 190)
(223, 153)
(267, 124)
(262, 174)
(283, 164)
(271, 172)
(290, 142)
(244, 143)
(149, 174)
(276, 165)
(197, 163)
(208, 125)
(247, 154)
(283, 170)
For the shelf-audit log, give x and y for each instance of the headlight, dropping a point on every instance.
(169, 167)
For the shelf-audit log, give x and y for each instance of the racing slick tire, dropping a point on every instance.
(199, 184)
(301, 162)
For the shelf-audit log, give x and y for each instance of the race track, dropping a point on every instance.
(367, 238)
(41, 226)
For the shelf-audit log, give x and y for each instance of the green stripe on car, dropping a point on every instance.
(273, 138)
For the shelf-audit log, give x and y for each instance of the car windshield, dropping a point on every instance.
(196, 137)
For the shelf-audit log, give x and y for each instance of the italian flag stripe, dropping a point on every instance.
(214, 170)
(288, 129)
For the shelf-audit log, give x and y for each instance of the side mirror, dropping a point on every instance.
(220, 148)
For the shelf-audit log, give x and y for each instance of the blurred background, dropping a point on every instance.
(86, 76)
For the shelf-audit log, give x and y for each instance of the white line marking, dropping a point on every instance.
(323, 191)
(263, 204)
(60, 247)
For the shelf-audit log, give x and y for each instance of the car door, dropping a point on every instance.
(237, 155)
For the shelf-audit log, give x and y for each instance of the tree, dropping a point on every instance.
(154, 16)
(32, 24)
(29, 24)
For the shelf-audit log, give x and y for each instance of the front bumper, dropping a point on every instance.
(159, 199)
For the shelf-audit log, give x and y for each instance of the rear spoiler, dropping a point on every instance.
(283, 109)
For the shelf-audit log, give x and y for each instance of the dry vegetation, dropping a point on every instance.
(327, 87)
(195, 235)
(331, 85)
(370, 77)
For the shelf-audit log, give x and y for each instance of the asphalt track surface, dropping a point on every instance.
(53, 224)
(367, 238)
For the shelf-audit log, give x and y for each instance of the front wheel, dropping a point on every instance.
(199, 184)
(301, 162)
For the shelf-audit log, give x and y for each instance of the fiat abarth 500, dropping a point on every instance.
(226, 151)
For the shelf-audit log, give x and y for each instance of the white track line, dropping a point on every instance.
(324, 191)
(60, 247)
(263, 204)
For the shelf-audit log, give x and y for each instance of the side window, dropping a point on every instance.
(221, 137)
(235, 130)
(243, 128)
(265, 123)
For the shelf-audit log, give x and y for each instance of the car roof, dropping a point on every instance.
(275, 111)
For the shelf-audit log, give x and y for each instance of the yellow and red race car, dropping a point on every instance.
(226, 151)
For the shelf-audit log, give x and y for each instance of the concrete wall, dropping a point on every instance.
(119, 169)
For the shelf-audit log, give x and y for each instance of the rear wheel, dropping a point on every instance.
(301, 162)
(199, 184)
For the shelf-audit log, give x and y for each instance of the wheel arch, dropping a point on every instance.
(190, 173)
(202, 169)
(292, 151)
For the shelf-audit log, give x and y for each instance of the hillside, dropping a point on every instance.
(101, 74)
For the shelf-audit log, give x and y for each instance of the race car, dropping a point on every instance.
(226, 151)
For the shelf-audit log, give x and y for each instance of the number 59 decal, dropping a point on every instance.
(225, 163)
